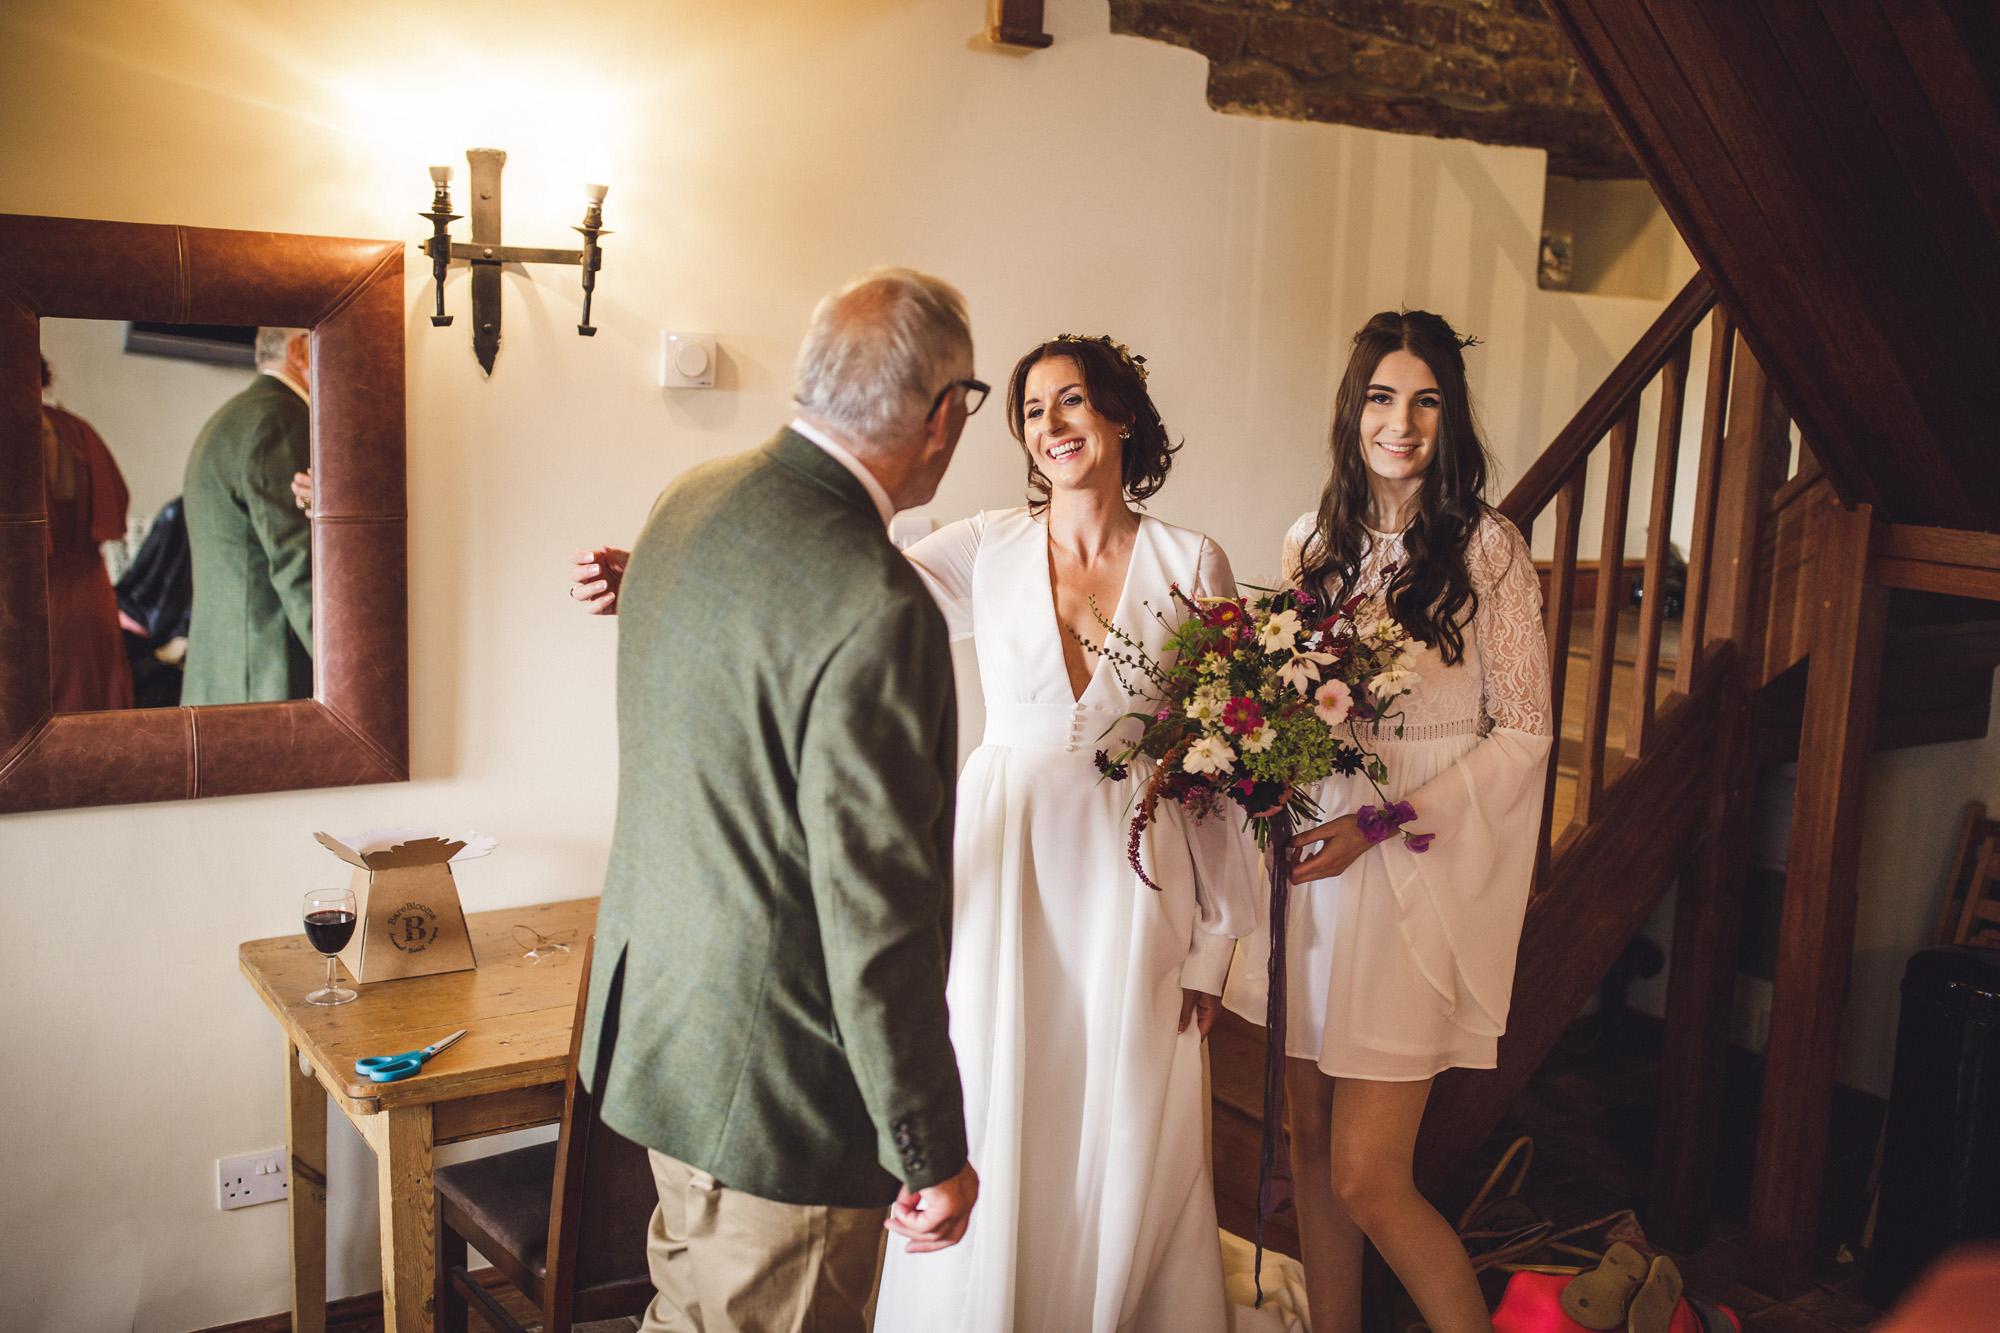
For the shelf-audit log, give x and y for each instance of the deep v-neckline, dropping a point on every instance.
(1055, 615)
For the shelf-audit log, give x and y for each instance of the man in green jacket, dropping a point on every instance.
(250, 636)
(767, 1012)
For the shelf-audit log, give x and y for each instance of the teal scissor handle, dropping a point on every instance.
(392, 1068)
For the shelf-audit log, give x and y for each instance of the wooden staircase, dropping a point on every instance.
(1663, 722)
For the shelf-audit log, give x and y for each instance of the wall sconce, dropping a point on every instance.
(486, 254)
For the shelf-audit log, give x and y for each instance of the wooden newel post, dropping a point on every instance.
(1816, 936)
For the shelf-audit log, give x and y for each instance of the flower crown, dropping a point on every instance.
(1137, 364)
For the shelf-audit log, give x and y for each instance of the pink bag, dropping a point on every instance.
(1533, 1304)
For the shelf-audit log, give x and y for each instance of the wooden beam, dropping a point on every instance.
(1701, 987)
(1018, 23)
(1965, 564)
(1924, 576)
(1943, 546)
(1816, 934)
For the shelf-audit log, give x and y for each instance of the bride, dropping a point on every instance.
(1079, 996)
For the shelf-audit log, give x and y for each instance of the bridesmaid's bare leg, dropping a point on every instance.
(1373, 1144)
(1329, 1241)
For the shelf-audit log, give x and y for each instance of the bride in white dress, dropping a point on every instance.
(1400, 965)
(1079, 996)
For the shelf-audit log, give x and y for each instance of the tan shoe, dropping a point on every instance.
(1600, 1298)
(1652, 1309)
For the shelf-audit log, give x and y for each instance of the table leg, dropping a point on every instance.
(305, 1202)
(408, 1202)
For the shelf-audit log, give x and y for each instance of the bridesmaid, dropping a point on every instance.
(1400, 966)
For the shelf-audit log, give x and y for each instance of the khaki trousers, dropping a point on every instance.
(728, 1262)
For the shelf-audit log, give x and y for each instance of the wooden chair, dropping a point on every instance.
(1970, 913)
(565, 1222)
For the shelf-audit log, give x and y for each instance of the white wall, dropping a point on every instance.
(763, 151)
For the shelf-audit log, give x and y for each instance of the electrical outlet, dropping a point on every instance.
(258, 1178)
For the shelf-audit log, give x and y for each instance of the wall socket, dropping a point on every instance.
(258, 1178)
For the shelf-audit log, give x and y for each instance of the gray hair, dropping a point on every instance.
(878, 352)
(271, 345)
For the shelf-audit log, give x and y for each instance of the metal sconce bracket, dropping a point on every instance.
(486, 254)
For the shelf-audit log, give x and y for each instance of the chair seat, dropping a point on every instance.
(506, 1196)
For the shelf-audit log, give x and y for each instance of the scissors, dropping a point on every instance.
(391, 1068)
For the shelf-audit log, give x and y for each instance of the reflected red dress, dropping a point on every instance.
(86, 499)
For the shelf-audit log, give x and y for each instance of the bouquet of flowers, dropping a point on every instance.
(1257, 699)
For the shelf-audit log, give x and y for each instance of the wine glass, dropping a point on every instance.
(330, 917)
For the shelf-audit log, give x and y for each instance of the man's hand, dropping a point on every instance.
(934, 1218)
(1199, 1007)
(597, 577)
(302, 491)
(1342, 843)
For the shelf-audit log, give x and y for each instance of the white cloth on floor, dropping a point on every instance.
(1404, 965)
(1084, 1107)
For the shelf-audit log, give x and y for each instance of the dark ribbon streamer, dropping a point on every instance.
(1274, 1154)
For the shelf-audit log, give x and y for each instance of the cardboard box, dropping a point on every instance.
(411, 924)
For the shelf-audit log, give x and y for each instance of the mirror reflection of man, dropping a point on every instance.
(250, 640)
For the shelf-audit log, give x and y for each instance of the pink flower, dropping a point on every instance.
(1242, 716)
(1332, 702)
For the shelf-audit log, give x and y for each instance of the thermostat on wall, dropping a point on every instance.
(687, 361)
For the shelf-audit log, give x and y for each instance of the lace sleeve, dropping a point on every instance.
(1513, 644)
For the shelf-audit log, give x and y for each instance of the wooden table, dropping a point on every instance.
(505, 1074)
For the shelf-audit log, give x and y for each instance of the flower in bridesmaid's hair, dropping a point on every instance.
(1332, 701)
(1210, 754)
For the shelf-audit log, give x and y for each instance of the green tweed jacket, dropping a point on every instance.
(250, 636)
(776, 919)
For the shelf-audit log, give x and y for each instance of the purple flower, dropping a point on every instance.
(1115, 772)
(1381, 825)
(1418, 842)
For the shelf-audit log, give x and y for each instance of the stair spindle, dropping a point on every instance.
(1562, 601)
(1659, 540)
(1708, 477)
(1604, 629)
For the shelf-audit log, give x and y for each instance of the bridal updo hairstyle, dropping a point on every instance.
(1432, 593)
(1114, 384)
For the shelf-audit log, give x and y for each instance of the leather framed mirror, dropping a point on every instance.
(355, 727)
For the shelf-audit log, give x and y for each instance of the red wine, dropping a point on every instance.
(329, 931)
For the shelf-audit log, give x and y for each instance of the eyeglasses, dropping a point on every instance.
(975, 395)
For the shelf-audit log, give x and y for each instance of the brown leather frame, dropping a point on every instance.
(356, 728)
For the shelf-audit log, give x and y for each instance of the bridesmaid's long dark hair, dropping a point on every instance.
(1432, 593)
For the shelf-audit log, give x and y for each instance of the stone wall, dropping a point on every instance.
(1494, 71)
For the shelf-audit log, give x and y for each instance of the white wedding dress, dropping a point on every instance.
(1404, 965)
(1085, 1110)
